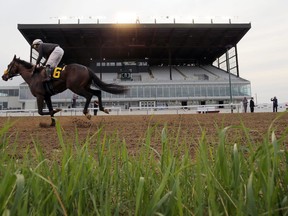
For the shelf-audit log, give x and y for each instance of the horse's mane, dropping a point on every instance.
(24, 63)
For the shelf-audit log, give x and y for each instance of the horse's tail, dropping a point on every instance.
(110, 88)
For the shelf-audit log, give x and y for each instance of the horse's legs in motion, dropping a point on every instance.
(40, 105)
(50, 108)
(51, 112)
(88, 94)
(85, 110)
(84, 92)
(98, 94)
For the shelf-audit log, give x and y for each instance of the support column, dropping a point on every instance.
(170, 69)
(236, 58)
(230, 84)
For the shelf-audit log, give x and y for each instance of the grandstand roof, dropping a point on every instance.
(157, 43)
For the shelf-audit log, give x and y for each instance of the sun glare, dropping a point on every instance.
(126, 17)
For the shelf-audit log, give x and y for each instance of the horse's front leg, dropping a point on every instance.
(40, 105)
(51, 110)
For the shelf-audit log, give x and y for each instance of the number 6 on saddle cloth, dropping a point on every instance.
(56, 72)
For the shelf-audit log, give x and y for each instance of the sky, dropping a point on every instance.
(262, 52)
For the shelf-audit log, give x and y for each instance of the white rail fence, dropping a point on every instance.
(196, 109)
(131, 111)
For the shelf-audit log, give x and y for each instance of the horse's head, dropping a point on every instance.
(11, 71)
(16, 67)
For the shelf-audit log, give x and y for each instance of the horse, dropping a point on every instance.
(76, 77)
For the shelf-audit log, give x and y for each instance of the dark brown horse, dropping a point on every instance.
(75, 77)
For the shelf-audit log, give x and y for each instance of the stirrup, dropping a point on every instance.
(48, 71)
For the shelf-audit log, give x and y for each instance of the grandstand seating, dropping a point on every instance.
(220, 73)
(160, 73)
(179, 73)
(108, 76)
(195, 73)
(144, 77)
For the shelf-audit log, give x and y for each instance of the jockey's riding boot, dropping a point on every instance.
(48, 71)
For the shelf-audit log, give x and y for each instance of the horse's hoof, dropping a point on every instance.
(88, 116)
(106, 111)
(44, 125)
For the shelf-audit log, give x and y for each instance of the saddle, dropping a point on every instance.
(55, 74)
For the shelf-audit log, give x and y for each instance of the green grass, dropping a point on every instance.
(104, 179)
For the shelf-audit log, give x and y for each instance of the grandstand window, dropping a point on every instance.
(178, 91)
(159, 91)
(126, 95)
(172, 91)
(222, 91)
(209, 91)
(13, 92)
(235, 90)
(4, 92)
(227, 91)
(216, 91)
(245, 90)
(197, 91)
(185, 91)
(166, 91)
(153, 92)
(191, 91)
(133, 92)
(140, 91)
(203, 91)
(147, 91)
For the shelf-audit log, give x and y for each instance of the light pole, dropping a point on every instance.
(228, 70)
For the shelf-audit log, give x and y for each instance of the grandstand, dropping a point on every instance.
(171, 64)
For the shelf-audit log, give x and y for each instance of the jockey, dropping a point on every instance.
(52, 53)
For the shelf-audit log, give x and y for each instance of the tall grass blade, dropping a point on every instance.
(20, 183)
(252, 208)
(139, 195)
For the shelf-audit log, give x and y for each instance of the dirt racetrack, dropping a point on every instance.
(132, 129)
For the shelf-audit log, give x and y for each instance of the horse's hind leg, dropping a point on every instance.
(98, 94)
(84, 92)
(87, 103)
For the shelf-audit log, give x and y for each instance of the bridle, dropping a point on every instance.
(8, 71)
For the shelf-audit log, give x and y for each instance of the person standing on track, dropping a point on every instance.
(252, 105)
(245, 103)
(275, 104)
